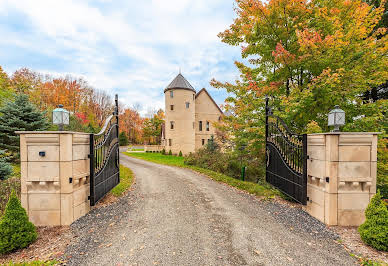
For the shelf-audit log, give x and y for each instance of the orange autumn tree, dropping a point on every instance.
(89, 107)
(131, 123)
(307, 56)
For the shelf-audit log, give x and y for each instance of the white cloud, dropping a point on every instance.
(134, 48)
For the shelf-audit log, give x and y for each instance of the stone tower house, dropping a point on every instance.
(189, 117)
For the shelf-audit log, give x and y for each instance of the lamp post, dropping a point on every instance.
(243, 168)
(61, 117)
(336, 118)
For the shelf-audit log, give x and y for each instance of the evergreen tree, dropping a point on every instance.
(123, 139)
(15, 230)
(212, 145)
(374, 231)
(5, 167)
(19, 115)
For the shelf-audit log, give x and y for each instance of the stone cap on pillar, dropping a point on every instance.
(51, 132)
(347, 133)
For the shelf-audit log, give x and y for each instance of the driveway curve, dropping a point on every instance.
(175, 216)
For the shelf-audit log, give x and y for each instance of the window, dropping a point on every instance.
(200, 125)
(171, 94)
(193, 125)
(172, 125)
(193, 97)
(169, 142)
(203, 142)
(207, 126)
(187, 105)
(172, 107)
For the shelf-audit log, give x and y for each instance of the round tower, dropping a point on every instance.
(180, 116)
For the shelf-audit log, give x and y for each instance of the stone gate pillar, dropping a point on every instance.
(54, 176)
(341, 176)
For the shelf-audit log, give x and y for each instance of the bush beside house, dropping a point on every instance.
(16, 231)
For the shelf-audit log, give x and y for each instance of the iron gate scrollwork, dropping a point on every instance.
(104, 158)
(286, 158)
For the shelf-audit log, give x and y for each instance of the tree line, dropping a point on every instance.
(32, 95)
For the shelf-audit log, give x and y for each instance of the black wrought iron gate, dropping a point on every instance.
(286, 155)
(104, 158)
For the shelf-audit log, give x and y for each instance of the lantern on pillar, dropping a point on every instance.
(61, 117)
(336, 118)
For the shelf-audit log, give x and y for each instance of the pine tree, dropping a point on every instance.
(374, 231)
(5, 168)
(19, 115)
(123, 139)
(15, 230)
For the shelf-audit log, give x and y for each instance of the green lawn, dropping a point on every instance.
(264, 190)
(126, 180)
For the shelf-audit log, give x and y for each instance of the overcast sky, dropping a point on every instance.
(133, 48)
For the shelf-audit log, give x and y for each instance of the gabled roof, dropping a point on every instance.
(180, 82)
(205, 91)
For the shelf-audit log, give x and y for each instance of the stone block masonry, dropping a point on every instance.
(54, 176)
(341, 176)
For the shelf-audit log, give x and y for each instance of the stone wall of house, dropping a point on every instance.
(205, 111)
(54, 176)
(341, 171)
(182, 136)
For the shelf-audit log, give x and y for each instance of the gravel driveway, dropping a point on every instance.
(174, 216)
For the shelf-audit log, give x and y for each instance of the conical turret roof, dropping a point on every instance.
(180, 82)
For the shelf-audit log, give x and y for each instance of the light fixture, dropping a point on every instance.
(61, 117)
(336, 118)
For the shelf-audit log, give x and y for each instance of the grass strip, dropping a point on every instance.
(262, 190)
(126, 180)
(32, 263)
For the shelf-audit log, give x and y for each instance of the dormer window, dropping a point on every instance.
(171, 94)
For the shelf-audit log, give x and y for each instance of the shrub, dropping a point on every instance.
(16, 231)
(5, 169)
(180, 154)
(228, 164)
(170, 152)
(164, 151)
(382, 167)
(374, 231)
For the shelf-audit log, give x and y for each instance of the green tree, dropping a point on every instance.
(5, 169)
(5, 87)
(123, 139)
(19, 115)
(212, 145)
(153, 127)
(308, 56)
(16, 231)
(374, 231)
